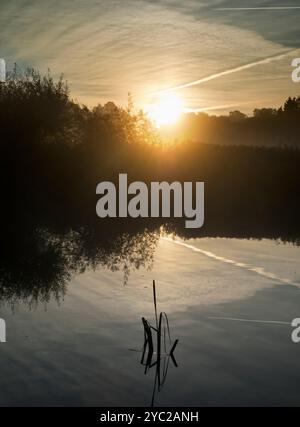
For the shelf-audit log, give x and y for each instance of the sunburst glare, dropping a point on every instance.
(165, 110)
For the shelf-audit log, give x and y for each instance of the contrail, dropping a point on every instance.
(257, 270)
(267, 60)
(218, 107)
(234, 319)
(260, 8)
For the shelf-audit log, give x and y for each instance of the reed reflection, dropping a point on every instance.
(158, 348)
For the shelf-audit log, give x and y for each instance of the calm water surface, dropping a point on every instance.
(230, 303)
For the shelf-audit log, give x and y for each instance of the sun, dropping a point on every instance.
(166, 110)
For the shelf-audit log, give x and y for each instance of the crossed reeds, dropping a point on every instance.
(157, 339)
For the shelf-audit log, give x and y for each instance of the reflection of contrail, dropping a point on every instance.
(232, 70)
(260, 8)
(258, 270)
(275, 322)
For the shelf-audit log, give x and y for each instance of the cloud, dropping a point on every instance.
(107, 48)
(278, 23)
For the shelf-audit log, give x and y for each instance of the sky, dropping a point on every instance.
(216, 55)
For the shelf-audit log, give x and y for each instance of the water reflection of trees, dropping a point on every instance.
(37, 265)
(37, 260)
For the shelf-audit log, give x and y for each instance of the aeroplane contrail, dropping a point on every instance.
(219, 107)
(234, 319)
(260, 8)
(257, 270)
(267, 60)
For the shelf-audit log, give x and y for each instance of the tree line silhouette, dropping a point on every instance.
(266, 127)
(54, 152)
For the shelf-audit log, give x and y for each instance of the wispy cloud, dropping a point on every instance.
(109, 48)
